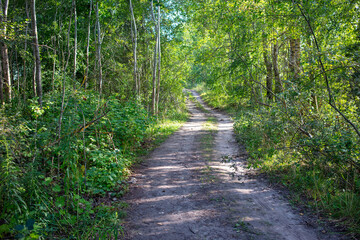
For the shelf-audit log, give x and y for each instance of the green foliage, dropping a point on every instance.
(323, 167)
(129, 122)
(63, 185)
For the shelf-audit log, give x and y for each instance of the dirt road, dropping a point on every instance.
(184, 191)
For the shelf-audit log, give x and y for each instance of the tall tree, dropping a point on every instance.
(134, 40)
(87, 47)
(36, 52)
(99, 48)
(6, 79)
(25, 49)
(294, 61)
(268, 65)
(75, 43)
(159, 61)
(154, 94)
(275, 65)
(1, 87)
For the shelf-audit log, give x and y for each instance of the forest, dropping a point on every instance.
(87, 87)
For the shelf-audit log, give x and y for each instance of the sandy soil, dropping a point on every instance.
(170, 198)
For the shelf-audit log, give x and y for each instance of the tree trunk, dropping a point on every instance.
(75, 44)
(54, 63)
(154, 77)
(159, 63)
(275, 54)
(25, 50)
(294, 63)
(53, 42)
(36, 52)
(134, 40)
(34, 80)
(87, 48)
(12, 67)
(99, 48)
(153, 108)
(65, 65)
(4, 51)
(18, 71)
(268, 66)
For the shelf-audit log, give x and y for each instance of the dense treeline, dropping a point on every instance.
(84, 45)
(289, 71)
(84, 86)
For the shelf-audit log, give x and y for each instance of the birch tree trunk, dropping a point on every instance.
(34, 79)
(75, 44)
(134, 40)
(53, 41)
(17, 71)
(99, 48)
(65, 65)
(87, 47)
(4, 51)
(36, 52)
(24, 83)
(159, 62)
(153, 107)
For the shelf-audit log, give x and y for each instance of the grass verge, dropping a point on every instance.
(207, 141)
(157, 134)
(207, 144)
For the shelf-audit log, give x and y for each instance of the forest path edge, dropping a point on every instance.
(237, 205)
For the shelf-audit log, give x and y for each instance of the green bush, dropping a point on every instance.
(50, 175)
(320, 161)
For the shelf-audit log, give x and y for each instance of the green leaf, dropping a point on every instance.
(4, 228)
(34, 236)
(60, 202)
(56, 188)
(47, 181)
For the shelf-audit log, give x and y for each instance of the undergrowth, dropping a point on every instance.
(63, 179)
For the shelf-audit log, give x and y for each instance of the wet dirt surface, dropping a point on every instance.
(169, 197)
